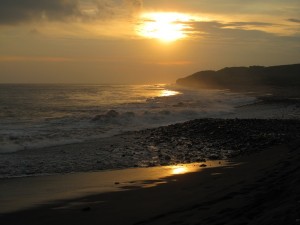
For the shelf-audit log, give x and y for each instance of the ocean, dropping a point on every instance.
(58, 129)
(35, 115)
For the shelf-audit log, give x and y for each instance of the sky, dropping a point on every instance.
(142, 41)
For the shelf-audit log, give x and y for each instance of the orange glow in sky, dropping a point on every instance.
(142, 42)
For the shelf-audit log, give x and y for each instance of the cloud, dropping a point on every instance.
(33, 59)
(294, 20)
(248, 24)
(229, 7)
(55, 59)
(170, 63)
(19, 11)
(234, 31)
(24, 11)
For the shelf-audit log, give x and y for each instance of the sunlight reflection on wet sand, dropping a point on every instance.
(21, 193)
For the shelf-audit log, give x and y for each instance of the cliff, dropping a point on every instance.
(245, 78)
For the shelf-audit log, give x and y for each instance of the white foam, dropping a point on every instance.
(73, 122)
(10, 148)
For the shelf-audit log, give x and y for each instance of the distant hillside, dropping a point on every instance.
(245, 78)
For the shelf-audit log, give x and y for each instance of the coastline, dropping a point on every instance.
(258, 185)
(193, 141)
(261, 188)
(30, 192)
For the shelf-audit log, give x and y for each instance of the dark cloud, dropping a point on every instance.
(247, 24)
(135, 3)
(219, 32)
(215, 30)
(294, 20)
(231, 7)
(19, 11)
(34, 31)
(23, 11)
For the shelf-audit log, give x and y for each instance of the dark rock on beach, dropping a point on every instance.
(109, 115)
(218, 138)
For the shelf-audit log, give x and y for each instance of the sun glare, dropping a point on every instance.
(164, 26)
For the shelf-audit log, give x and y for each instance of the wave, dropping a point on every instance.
(79, 123)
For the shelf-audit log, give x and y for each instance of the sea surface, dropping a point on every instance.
(33, 116)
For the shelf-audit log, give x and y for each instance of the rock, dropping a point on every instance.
(165, 112)
(179, 104)
(200, 160)
(203, 165)
(129, 114)
(86, 209)
(213, 157)
(13, 138)
(151, 164)
(98, 117)
(167, 157)
(109, 115)
(112, 114)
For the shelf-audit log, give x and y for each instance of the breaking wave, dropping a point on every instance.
(43, 116)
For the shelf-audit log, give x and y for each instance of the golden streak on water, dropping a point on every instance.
(166, 93)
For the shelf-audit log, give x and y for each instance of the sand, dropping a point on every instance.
(261, 188)
(27, 192)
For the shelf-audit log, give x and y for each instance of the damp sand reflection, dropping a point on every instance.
(22, 193)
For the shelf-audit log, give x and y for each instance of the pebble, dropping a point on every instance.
(192, 141)
(86, 209)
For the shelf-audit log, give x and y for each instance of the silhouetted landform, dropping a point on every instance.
(245, 78)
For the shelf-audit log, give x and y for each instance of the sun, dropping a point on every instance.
(164, 26)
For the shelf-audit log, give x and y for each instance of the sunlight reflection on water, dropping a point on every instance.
(165, 93)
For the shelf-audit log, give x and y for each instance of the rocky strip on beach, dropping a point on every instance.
(192, 141)
(214, 139)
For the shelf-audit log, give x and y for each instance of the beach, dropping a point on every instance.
(191, 141)
(261, 188)
(241, 169)
(256, 182)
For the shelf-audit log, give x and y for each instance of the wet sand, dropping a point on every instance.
(28, 192)
(261, 188)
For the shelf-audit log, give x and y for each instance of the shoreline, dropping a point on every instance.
(192, 141)
(30, 192)
(261, 188)
(259, 185)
